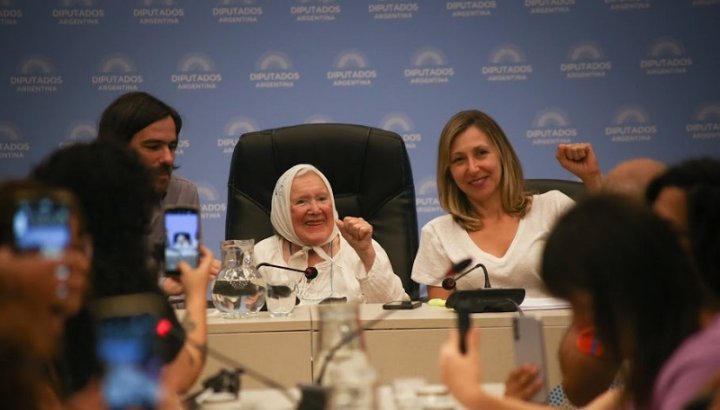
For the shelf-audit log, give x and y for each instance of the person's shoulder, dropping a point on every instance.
(551, 199)
(267, 243)
(181, 183)
(181, 191)
(442, 222)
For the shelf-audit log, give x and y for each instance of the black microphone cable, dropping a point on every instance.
(224, 374)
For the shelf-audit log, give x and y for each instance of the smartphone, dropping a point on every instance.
(182, 237)
(463, 322)
(402, 304)
(41, 222)
(529, 346)
(129, 348)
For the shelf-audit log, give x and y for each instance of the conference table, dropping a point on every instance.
(403, 344)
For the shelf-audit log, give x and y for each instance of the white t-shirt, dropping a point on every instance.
(343, 276)
(444, 242)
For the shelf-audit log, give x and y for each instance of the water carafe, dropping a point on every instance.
(343, 364)
(238, 290)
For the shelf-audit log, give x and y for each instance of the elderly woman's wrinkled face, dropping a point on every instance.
(311, 209)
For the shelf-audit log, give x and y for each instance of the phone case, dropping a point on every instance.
(401, 305)
(529, 346)
(463, 327)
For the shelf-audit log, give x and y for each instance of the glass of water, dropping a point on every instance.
(281, 293)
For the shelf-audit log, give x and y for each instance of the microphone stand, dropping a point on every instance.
(450, 282)
(310, 272)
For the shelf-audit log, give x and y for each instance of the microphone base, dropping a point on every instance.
(313, 397)
(486, 300)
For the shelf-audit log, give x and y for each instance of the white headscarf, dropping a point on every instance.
(280, 213)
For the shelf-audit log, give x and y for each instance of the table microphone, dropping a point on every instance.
(310, 272)
(225, 380)
(450, 282)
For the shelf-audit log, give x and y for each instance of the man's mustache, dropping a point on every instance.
(166, 169)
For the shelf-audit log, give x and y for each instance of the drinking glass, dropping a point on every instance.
(281, 293)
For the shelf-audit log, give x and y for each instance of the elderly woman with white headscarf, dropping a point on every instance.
(308, 232)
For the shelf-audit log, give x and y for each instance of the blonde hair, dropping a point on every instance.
(512, 182)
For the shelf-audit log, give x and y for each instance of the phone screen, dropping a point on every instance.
(182, 227)
(41, 224)
(126, 347)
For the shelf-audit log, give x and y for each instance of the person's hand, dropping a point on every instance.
(215, 268)
(195, 281)
(173, 286)
(523, 382)
(580, 160)
(358, 233)
(461, 373)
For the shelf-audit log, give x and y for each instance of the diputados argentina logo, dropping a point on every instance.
(549, 6)
(666, 56)
(585, 60)
(12, 145)
(403, 126)
(551, 126)
(387, 10)
(237, 12)
(10, 15)
(196, 72)
(426, 196)
(274, 70)
(429, 67)
(481, 8)
(315, 10)
(78, 13)
(79, 131)
(631, 124)
(211, 206)
(625, 5)
(232, 132)
(158, 12)
(705, 122)
(36, 75)
(351, 70)
(507, 63)
(117, 73)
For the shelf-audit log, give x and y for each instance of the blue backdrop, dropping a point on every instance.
(634, 77)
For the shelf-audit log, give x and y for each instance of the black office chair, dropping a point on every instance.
(368, 168)
(573, 189)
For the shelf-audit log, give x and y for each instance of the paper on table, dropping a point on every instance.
(543, 303)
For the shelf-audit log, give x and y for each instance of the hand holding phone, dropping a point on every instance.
(530, 348)
(182, 237)
(128, 329)
(463, 317)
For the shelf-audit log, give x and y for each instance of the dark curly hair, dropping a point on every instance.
(116, 192)
(645, 294)
(700, 180)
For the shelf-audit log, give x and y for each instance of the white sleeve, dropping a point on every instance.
(431, 261)
(380, 284)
